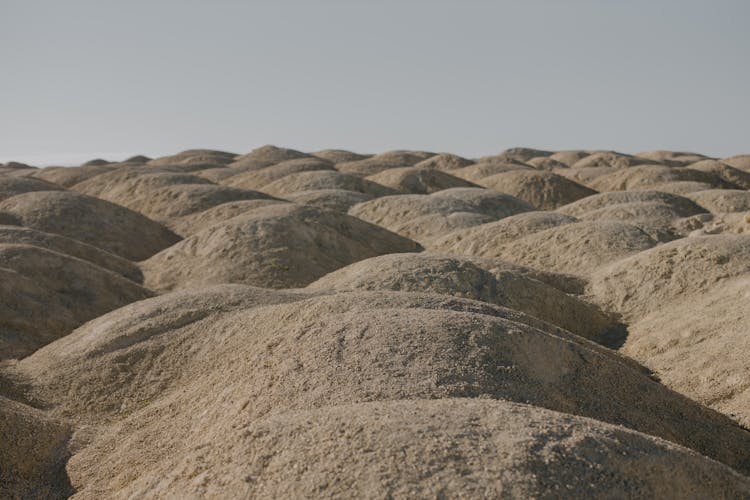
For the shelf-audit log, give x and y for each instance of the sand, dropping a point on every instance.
(257, 179)
(91, 220)
(422, 217)
(544, 190)
(275, 246)
(418, 180)
(290, 324)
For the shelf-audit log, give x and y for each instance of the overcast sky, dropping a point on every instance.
(83, 79)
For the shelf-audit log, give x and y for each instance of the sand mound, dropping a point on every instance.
(161, 319)
(97, 222)
(569, 157)
(336, 350)
(425, 228)
(17, 172)
(145, 320)
(698, 346)
(608, 159)
(138, 159)
(714, 223)
(70, 176)
(184, 199)
(32, 464)
(681, 187)
(96, 162)
(384, 161)
(194, 157)
(652, 279)
(163, 196)
(324, 179)
(544, 190)
(741, 162)
(123, 183)
(340, 200)
(265, 156)
(476, 449)
(648, 176)
(517, 154)
(276, 246)
(478, 171)
(722, 200)
(418, 180)
(731, 175)
(216, 175)
(671, 157)
(45, 294)
(584, 175)
(11, 186)
(366, 366)
(195, 222)
(422, 217)
(415, 273)
(546, 163)
(684, 207)
(659, 220)
(568, 283)
(467, 279)
(657, 213)
(487, 240)
(166, 203)
(445, 162)
(256, 179)
(339, 155)
(74, 248)
(16, 165)
(579, 248)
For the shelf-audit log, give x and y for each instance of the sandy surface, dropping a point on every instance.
(288, 324)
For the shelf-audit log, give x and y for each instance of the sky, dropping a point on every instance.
(85, 79)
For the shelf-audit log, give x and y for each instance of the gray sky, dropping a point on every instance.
(81, 79)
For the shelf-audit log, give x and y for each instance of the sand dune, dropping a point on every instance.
(11, 186)
(325, 179)
(477, 448)
(722, 200)
(256, 179)
(331, 350)
(276, 246)
(647, 176)
(340, 200)
(544, 190)
(486, 240)
(194, 157)
(483, 169)
(91, 220)
(418, 180)
(477, 279)
(377, 163)
(683, 268)
(74, 248)
(530, 324)
(46, 294)
(422, 217)
(70, 176)
(445, 162)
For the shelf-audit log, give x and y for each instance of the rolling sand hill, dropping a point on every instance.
(288, 324)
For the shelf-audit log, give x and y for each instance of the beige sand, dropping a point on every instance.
(334, 324)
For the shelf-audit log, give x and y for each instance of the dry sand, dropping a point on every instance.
(284, 324)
